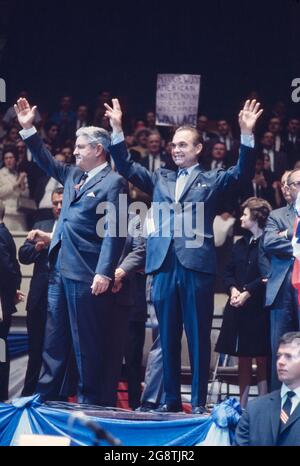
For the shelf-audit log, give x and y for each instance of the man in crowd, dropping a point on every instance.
(80, 311)
(274, 419)
(35, 251)
(183, 282)
(281, 296)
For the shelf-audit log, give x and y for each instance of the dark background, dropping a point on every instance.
(61, 46)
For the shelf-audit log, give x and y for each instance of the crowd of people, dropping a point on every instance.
(87, 303)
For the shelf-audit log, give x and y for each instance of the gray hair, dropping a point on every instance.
(95, 136)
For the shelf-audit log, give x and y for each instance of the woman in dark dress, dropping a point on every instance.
(245, 330)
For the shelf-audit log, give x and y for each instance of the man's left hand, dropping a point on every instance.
(100, 284)
(249, 115)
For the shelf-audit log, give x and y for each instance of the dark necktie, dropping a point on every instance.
(182, 172)
(81, 182)
(286, 409)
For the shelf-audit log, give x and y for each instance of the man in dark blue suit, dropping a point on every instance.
(36, 252)
(82, 262)
(274, 419)
(182, 260)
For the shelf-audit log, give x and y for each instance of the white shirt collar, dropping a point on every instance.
(96, 170)
(285, 389)
(190, 169)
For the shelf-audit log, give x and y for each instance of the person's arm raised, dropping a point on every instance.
(134, 172)
(114, 114)
(248, 116)
(25, 113)
(41, 155)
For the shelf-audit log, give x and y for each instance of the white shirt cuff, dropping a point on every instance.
(116, 138)
(26, 133)
(248, 140)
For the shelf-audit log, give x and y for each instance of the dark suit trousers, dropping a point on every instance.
(76, 317)
(36, 322)
(284, 317)
(133, 361)
(184, 297)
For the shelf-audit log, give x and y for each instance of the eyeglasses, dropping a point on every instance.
(295, 183)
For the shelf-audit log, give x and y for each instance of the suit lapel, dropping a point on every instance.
(290, 215)
(275, 409)
(89, 184)
(190, 181)
(171, 181)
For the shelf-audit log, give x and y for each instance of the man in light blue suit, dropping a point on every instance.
(281, 296)
(80, 307)
(183, 265)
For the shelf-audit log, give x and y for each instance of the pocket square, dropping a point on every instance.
(91, 194)
(201, 185)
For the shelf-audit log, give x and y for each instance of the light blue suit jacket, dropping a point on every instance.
(202, 187)
(83, 252)
(278, 249)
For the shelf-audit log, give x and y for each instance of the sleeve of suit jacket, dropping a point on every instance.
(242, 431)
(138, 175)
(45, 160)
(243, 171)
(273, 243)
(112, 245)
(135, 259)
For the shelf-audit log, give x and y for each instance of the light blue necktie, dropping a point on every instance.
(180, 183)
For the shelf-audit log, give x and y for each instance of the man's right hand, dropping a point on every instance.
(25, 113)
(114, 114)
(39, 235)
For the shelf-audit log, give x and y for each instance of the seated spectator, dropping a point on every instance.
(104, 97)
(225, 135)
(150, 121)
(245, 328)
(202, 121)
(274, 127)
(263, 184)
(292, 141)
(140, 148)
(13, 185)
(24, 164)
(12, 136)
(82, 117)
(2, 128)
(67, 152)
(52, 138)
(217, 156)
(278, 160)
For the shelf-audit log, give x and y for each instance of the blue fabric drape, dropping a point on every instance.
(29, 416)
